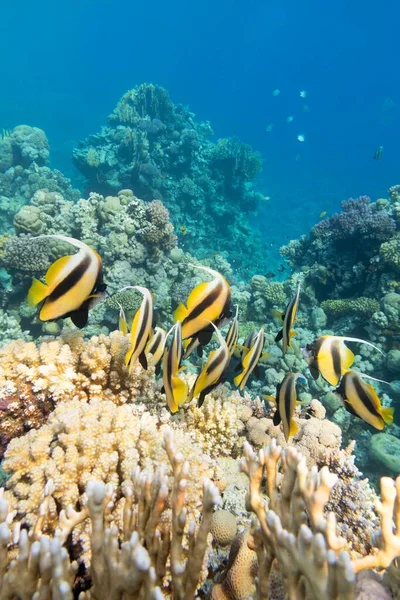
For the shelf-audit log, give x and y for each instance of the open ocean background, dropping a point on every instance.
(65, 65)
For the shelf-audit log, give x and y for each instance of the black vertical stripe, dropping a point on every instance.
(336, 358)
(143, 323)
(287, 399)
(202, 306)
(363, 394)
(217, 360)
(71, 279)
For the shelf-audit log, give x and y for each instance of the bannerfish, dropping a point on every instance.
(329, 356)
(286, 402)
(286, 333)
(208, 302)
(175, 388)
(213, 371)
(233, 333)
(155, 347)
(250, 360)
(140, 330)
(378, 153)
(361, 400)
(241, 350)
(74, 285)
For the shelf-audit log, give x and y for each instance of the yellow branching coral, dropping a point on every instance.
(218, 423)
(156, 547)
(69, 366)
(84, 440)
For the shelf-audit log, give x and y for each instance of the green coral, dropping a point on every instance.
(390, 253)
(239, 159)
(354, 306)
(385, 449)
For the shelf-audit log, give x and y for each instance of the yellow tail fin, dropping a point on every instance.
(293, 428)
(387, 415)
(180, 390)
(37, 292)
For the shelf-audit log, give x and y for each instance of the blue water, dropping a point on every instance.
(65, 65)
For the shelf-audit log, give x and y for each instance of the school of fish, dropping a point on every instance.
(74, 285)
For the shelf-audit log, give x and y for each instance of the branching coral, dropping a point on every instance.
(294, 528)
(160, 547)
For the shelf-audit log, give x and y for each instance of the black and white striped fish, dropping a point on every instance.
(286, 401)
(286, 333)
(233, 333)
(175, 388)
(213, 371)
(155, 346)
(361, 400)
(329, 356)
(74, 284)
(141, 329)
(208, 302)
(250, 360)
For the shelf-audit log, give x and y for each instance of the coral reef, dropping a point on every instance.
(134, 238)
(157, 149)
(24, 153)
(159, 547)
(162, 548)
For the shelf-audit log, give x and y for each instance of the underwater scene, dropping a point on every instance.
(199, 300)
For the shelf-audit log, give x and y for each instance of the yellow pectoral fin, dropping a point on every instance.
(180, 390)
(186, 343)
(325, 367)
(135, 324)
(55, 269)
(180, 313)
(293, 333)
(269, 398)
(264, 357)
(196, 294)
(387, 415)
(277, 314)
(293, 428)
(37, 292)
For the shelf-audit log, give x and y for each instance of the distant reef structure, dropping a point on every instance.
(157, 149)
(24, 157)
